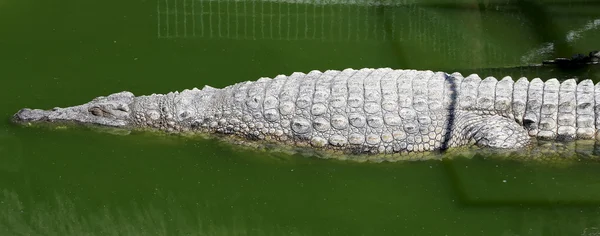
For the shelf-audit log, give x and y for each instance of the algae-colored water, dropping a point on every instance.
(81, 182)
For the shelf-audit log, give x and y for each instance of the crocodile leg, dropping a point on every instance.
(490, 131)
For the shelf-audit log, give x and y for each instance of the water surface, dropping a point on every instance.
(81, 182)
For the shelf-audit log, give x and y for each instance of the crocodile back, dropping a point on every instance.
(366, 110)
(386, 111)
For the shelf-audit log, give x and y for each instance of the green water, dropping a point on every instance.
(81, 182)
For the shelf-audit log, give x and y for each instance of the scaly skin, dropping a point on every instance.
(359, 111)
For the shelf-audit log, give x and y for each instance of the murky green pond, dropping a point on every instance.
(81, 182)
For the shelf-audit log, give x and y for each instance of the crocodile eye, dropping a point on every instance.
(96, 111)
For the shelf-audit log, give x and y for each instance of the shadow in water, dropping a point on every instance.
(480, 188)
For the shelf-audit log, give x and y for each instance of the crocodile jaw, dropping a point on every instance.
(112, 111)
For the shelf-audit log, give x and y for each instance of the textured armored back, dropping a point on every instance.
(385, 110)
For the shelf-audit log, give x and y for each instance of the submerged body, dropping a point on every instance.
(359, 111)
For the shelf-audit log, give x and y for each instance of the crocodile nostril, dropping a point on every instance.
(27, 114)
(123, 108)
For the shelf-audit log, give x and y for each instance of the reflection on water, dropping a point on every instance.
(545, 152)
(11, 152)
(64, 216)
(551, 153)
(547, 50)
(413, 29)
(290, 20)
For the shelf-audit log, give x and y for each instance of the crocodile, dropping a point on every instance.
(358, 111)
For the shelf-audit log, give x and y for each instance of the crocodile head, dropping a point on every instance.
(112, 111)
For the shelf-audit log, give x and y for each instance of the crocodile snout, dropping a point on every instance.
(26, 115)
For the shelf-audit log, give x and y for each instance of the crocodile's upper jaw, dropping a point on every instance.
(110, 111)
